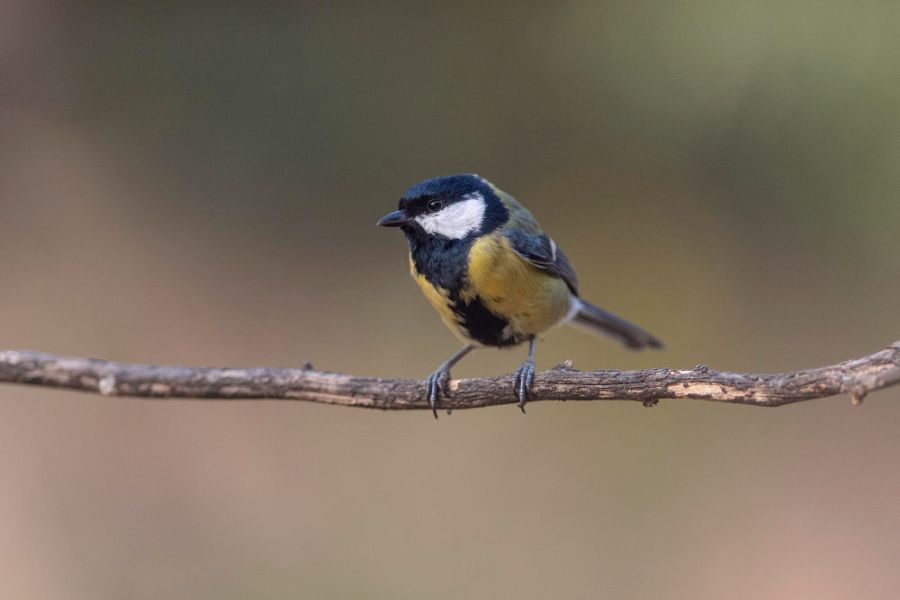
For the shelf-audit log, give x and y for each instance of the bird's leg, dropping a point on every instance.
(523, 378)
(438, 381)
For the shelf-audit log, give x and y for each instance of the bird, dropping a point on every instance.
(493, 275)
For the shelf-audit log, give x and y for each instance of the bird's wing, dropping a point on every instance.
(542, 252)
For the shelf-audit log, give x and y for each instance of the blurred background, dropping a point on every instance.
(197, 183)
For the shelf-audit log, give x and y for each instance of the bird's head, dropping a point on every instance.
(454, 207)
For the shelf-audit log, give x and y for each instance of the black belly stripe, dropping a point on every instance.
(482, 325)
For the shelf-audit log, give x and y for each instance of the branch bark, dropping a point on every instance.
(856, 377)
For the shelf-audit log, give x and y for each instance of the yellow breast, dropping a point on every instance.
(531, 300)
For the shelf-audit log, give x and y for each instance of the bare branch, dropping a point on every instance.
(855, 377)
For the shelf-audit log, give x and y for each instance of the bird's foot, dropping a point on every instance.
(523, 380)
(438, 384)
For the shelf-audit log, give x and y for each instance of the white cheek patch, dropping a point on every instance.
(457, 220)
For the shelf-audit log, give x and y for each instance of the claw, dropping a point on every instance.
(438, 383)
(523, 380)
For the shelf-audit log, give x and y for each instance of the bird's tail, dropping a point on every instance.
(596, 320)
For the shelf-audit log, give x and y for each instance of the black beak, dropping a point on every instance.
(395, 219)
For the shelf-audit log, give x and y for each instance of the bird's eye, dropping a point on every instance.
(435, 205)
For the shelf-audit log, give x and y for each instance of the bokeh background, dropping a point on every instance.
(198, 183)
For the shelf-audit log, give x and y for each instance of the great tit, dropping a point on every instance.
(496, 279)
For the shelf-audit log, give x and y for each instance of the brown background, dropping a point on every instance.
(198, 184)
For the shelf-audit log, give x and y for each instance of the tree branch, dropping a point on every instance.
(855, 377)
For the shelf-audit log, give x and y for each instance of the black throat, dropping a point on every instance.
(442, 261)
